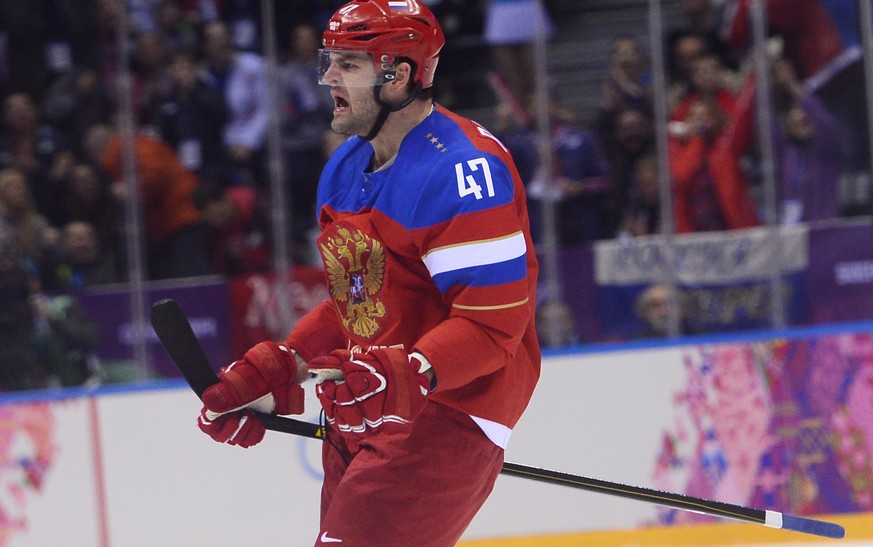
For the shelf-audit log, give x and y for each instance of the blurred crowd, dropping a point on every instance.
(200, 110)
(603, 179)
(605, 172)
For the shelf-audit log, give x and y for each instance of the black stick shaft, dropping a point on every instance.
(178, 338)
(678, 501)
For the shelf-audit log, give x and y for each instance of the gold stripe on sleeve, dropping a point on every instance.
(489, 308)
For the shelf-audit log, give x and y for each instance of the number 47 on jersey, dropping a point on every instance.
(467, 184)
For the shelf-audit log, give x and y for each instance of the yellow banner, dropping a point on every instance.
(859, 532)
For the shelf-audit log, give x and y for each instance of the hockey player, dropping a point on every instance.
(429, 331)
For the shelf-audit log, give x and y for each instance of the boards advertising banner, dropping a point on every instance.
(205, 302)
(255, 305)
(725, 278)
(778, 424)
(840, 278)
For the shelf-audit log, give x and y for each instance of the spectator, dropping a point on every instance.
(85, 196)
(83, 260)
(701, 15)
(710, 188)
(627, 83)
(66, 338)
(174, 236)
(822, 41)
(151, 77)
(704, 18)
(177, 29)
(652, 308)
(19, 365)
(31, 232)
(190, 117)
(808, 150)
(811, 40)
(36, 149)
(243, 18)
(709, 81)
(681, 54)
(556, 326)
(511, 26)
(627, 135)
(579, 181)
(838, 85)
(642, 216)
(242, 79)
(236, 237)
(308, 110)
(75, 102)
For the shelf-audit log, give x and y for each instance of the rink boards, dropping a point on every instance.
(767, 419)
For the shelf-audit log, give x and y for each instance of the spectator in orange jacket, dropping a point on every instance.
(710, 188)
(174, 235)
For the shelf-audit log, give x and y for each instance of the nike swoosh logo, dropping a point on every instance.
(327, 539)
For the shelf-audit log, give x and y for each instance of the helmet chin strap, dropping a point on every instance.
(387, 108)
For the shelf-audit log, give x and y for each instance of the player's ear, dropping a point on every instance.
(402, 76)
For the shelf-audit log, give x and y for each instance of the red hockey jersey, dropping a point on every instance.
(433, 253)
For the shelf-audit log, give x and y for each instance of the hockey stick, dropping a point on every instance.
(175, 333)
(178, 338)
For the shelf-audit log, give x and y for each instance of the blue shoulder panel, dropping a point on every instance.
(438, 174)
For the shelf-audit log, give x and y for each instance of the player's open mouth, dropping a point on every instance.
(340, 104)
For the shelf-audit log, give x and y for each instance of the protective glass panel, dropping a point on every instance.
(346, 68)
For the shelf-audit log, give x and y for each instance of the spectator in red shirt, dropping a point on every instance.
(710, 188)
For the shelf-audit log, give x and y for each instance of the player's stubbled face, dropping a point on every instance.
(351, 78)
(354, 110)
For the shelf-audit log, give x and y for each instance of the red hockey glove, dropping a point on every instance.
(382, 390)
(265, 379)
(239, 428)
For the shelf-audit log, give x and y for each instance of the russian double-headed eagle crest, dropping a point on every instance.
(355, 265)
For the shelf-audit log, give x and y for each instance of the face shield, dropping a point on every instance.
(349, 68)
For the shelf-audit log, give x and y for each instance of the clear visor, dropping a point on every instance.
(346, 68)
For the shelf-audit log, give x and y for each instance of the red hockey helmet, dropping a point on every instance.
(388, 30)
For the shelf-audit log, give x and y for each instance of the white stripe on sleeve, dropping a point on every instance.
(477, 253)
